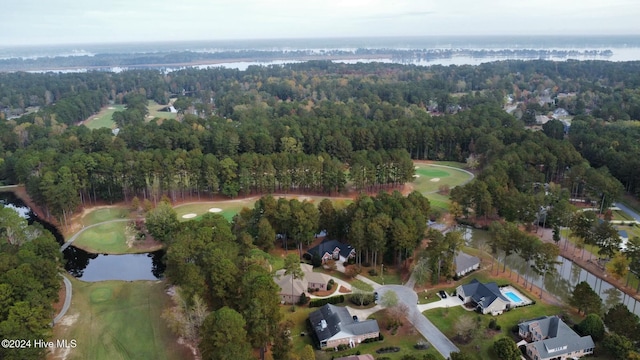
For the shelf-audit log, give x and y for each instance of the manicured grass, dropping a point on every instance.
(105, 239)
(361, 285)
(154, 111)
(390, 276)
(119, 320)
(621, 215)
(438, 201)
(426, 173)
(103, 214)
(427, 297)
(104, 117)
(229, 208)
(481, 345)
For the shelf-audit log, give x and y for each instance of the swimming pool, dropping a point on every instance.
(513, 297)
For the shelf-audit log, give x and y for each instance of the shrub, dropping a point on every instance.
(342, 347)
(331, 300)
(373, 272)
(303, 299)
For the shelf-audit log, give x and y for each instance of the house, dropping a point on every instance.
(624, 238)
(542, 119)
(465, 264)
(332, 250)
(486, 298)
(357, 357)
(549, 337)
(560, 113)
(291, 294)
(333, 326)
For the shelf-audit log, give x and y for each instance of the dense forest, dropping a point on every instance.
(29, 264)
(314, 127)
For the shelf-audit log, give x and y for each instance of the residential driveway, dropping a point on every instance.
(450, 301)
(363, 314)
(409, 298)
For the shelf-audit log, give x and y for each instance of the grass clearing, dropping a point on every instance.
(361, 285)
(155, 111)
(119, 320)
(102, 214)
(104, 118)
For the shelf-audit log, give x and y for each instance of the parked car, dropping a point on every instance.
(355, 318)
(375, 295)
(442, 294)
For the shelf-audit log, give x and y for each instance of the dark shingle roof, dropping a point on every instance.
(483, 294)
(329, 246)
(330, 320)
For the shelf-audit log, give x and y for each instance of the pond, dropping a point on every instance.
(95, 267)
(561, 282)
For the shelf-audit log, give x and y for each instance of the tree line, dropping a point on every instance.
(30, 261)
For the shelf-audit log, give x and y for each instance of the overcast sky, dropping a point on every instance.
(32, 22)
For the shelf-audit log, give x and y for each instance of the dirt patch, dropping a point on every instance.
(68, 320)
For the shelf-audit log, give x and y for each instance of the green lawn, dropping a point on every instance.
(229, 208)
(430, 178)
(103, 214)
(119, 320)
(104, 117)
(621, 215)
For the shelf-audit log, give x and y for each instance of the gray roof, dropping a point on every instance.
(483, 294)
(329, 246)
(464, 261)
(559, 337)
(330, 320)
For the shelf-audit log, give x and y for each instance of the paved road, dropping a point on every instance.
(67, 299)
(629, 211)
(73, 238)
(409, 298)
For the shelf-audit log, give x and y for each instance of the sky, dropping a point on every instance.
(37, 22)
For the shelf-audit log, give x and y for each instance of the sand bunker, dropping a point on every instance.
(435, 179)
(111, 108)
(215, 210)
(416, 176)
(415, 167)
(189, 216)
